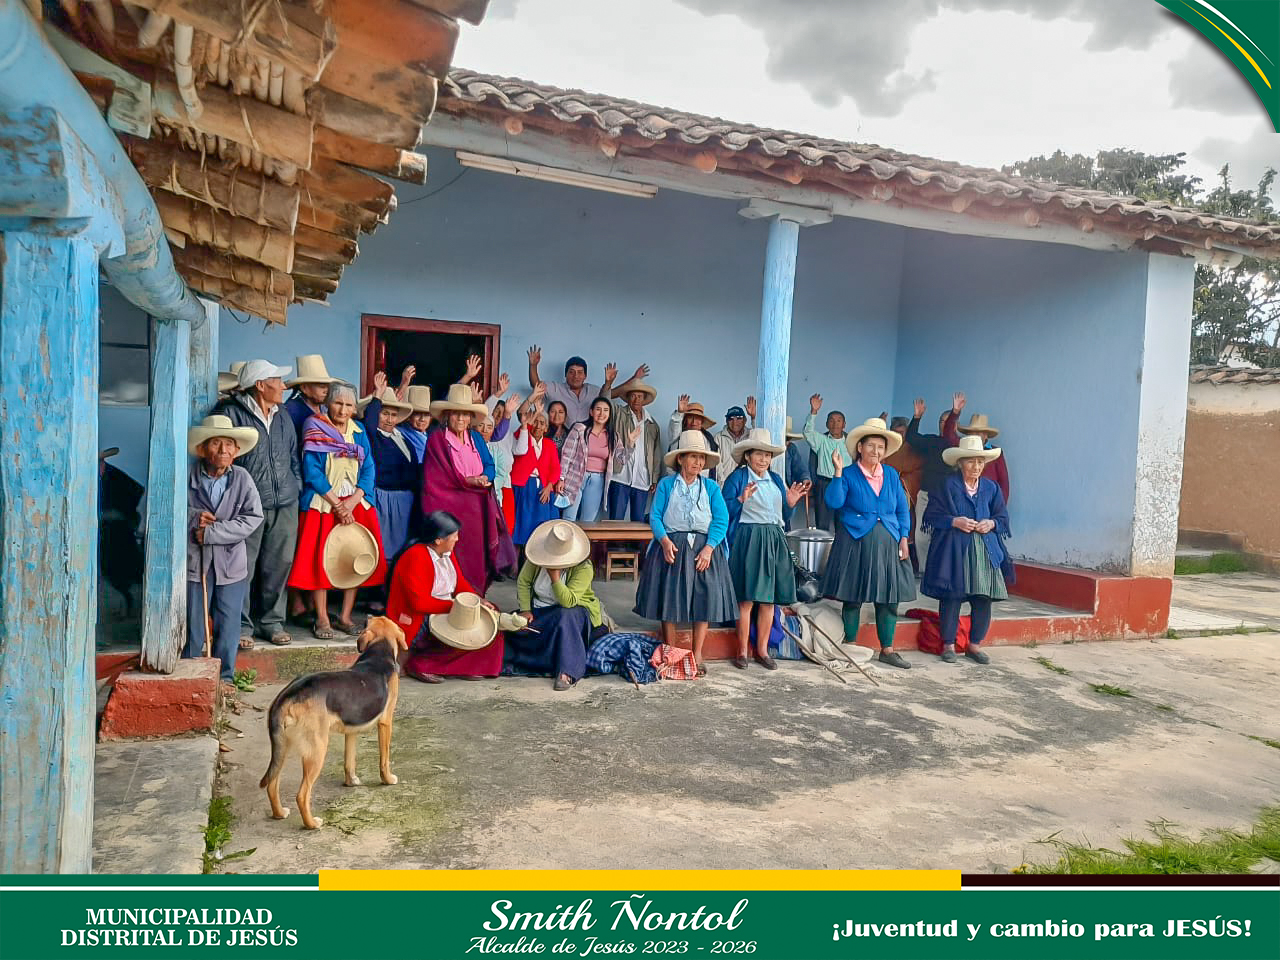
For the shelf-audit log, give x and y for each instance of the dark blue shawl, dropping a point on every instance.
(944, 570)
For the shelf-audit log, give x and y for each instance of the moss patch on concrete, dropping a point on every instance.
(296, 662)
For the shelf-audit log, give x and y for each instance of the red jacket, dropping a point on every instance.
(547, 465)
(410, 599)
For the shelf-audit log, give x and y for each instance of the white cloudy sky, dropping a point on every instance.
(985, 82)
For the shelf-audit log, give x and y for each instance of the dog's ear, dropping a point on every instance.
(362, 641)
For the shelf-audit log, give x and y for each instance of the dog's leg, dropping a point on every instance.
(349, 759)
(312, 763)
(384, 746)
(273, 794)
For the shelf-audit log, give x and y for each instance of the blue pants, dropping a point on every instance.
(979, 619)
(590, 500)
(226, 603)
(621, 497)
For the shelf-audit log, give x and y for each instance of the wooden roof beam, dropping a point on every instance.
(227, 233)
(471, 11)
(246, 273)
(394, 32)
(358, 119)
(378, 157)
(268, 306)
(273, 132)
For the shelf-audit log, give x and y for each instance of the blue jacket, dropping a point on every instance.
(392, 470)
(944, 571)
(315, 482)
(858, 507)
(733, 487)
(719, 512)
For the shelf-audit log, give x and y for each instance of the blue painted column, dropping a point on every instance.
(204, 362)
(775, 326)
(164, 584)
(57, 215)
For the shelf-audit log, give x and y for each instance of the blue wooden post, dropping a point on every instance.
(775, 326)
(164, 584)
(57, 212)
(204, 362)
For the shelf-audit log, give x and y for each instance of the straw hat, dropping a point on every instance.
(557, 545)
(311, 369)
(978, 424)
(389, 400)
(419, 399)
(220, 426)
(229, 380)
(691, 441)
(646, 389)
(791, 433)
(697, 410)
(875, 427)
(350, 555)
(469, 625)
(458, 398)
(969, 448)
(758, 438)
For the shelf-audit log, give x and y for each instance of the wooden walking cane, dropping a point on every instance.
(811, 652)
(813, 623)
(204, 595)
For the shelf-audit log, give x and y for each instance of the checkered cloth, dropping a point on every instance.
(626, 654)
(674, 663)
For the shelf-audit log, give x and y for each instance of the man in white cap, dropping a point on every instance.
(276, 469)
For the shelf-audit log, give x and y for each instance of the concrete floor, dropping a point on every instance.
(955, 766)
(1220, 601)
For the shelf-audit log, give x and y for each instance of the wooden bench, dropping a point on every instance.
(601, 533)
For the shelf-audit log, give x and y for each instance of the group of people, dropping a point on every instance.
(423, 504)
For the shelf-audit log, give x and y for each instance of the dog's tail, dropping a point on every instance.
(275, 727)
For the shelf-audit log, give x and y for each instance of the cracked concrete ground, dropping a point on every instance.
(955, 766)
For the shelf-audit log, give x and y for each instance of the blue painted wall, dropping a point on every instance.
(674, 282)
(1047, 340)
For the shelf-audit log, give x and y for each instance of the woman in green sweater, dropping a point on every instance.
(554, 591)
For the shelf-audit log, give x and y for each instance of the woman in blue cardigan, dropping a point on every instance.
(968, 562)
(869, 559)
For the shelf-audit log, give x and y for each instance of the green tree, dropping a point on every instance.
(1234, 306)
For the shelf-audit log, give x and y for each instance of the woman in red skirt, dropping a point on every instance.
(424, 582)
(337, 487)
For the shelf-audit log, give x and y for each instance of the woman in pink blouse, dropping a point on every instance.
(584, 461)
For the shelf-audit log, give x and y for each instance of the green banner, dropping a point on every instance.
(1248, 34)
(1224, 924)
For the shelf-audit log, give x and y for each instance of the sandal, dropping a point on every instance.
(246, 643)
(702, 669)
(424, 677)
(281, 639)
(324, 633)
(350, 629)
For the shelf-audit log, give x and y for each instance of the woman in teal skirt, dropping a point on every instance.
(869, 559)
(759, 558)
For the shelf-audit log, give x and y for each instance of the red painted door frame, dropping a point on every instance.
(370, 346)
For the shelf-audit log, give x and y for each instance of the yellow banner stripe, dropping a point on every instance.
(640, 881)
(1233, 43)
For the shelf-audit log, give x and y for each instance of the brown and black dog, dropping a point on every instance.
(311, 708)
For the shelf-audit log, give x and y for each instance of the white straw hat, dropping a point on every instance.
(229, 380)
(875, 427)
(759, 438)
(557, 545)
(311, 369)
(469, 624)
(791, 434)
(390, 401)
(458, 398)
(969, 448)
(350, 555)
(978, 424)
(649, 391)
(419, 399)
(219, 426)
(691, 441)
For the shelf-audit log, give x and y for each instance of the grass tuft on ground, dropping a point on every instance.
(1050, 665)
(1214, 563)
(217, 834)
(1109, 690)
(1168, 851)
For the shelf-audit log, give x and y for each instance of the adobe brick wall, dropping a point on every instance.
(1231, 463)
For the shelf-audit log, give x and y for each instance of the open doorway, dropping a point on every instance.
(437, 348)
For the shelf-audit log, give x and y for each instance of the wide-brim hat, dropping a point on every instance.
(311, 369)
(389, 401)
(469, 624)
(875, 427)
(696, 409)
(350, 555)
(458, 398)
(969, 448)
(758, 438)
(691, 441)
(419, 399)
(791, 433)
(557, 545)
(229, 380)
(220, 426)
(650, 392)
(978, 424)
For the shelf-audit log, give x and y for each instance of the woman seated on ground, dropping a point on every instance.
(554, 591)
(584, 464)
(869, 561)
(338, 482)
(759, 558)
(686, 573)
(534, 475)
(424, 581)
(457, 476)
(968, 562)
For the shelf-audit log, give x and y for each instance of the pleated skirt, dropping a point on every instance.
(530, 510)
(395, 510)
(981, 579)
(867, 570)
(760, 564)
(680, 593)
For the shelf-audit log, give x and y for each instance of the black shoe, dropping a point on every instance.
(977, 656)
(894, 659)
(561, 684)
(948, 656)
(739, 662)
(767, 662)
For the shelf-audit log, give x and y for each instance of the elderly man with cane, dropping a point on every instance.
(223, 509)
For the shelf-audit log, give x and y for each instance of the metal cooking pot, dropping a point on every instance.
(811, 547)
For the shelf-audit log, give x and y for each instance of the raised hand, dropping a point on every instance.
(539, 391)
(884, 415)
(610, 372)
(406, 378)
(748, 492)
(642, 371)
(682, 404)
(751, 407)
(535, 354)
(379, 382)
(504, 384)
(918, 407)
(957, 401)
(477, 395)
(795, 492)
(513, 403)
(815, 403)
(474, 363)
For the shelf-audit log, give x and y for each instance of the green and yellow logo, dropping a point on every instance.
(1248, 33)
